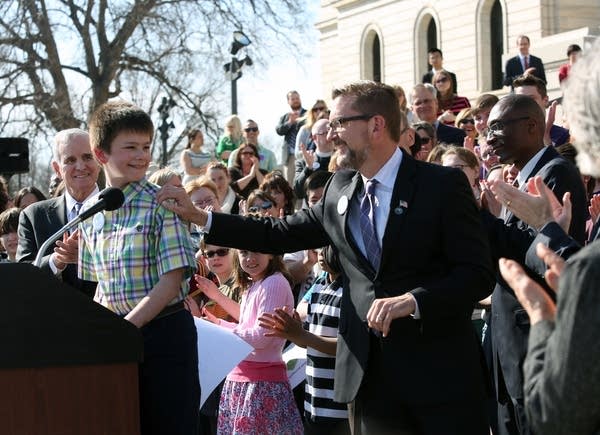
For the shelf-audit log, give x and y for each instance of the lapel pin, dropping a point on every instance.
(342, 204)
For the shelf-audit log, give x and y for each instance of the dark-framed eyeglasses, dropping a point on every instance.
(247, 153)
(251, 129)
(264, 206)
(467, 121)
(337, 124)
(221, 252)
(425, 139)
(500, 124)
(318, 109)
(441, 80)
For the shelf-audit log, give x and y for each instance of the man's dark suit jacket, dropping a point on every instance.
(511, 238)
(428, 77)
(514, 69)
(449, 134)
(36, 224)
(433, 246)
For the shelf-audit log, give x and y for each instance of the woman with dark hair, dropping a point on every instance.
(449, 104)
(257, 396)
(427, 139)
(246, 174)
(277, 186)
(28, 195)
(229, 200)
(573, 53)
(193, 158)
(260, 202)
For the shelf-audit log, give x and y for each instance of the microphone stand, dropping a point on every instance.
(53, 238)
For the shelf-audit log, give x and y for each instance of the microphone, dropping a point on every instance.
(109, 199)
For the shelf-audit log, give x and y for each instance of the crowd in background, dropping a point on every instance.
(269, 300)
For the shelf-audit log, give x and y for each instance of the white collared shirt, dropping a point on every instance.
(386, 177)
(525, 173)
(70, 204)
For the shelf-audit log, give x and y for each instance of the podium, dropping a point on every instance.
(68, 365)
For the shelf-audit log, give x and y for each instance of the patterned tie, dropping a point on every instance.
(77, 208)
(367, 225)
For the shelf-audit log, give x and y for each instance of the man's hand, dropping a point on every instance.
(309, 156)
(177, 200)
(535, 300)
(383, 311)
(66, 250)
(293, 117)
(538, 206)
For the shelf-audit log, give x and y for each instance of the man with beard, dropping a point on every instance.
(416, 260)
(516, 127)
(288, 127)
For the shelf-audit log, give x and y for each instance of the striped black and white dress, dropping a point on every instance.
(323, 319)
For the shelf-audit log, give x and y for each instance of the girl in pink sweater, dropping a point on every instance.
(257, 397)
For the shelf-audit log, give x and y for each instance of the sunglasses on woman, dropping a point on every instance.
(264, 206)
(222, 252)
(466, 121)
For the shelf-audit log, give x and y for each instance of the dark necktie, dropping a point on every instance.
(367, 225)
(77, 208)
(526, 62)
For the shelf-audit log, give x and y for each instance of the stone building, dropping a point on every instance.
(387, 40)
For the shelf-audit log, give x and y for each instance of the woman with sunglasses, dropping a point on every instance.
(449, 104)
(260, 202)
(303, 139)
(427, 139)
(277, 186)
(466, 122)
(246, 174)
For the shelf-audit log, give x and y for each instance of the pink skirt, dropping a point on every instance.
(260, 407)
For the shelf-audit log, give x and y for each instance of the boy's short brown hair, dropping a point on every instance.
(114, 117)
(9, 220)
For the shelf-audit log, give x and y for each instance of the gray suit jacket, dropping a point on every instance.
(561, 370)
(36, 224)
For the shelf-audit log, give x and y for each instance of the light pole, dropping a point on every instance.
(164, 108)
(233, 70)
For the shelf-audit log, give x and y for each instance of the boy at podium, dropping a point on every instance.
(141, 257)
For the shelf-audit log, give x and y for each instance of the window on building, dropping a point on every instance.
(372, 59)
(497, 44)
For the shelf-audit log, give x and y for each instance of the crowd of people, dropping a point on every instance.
(411, 242)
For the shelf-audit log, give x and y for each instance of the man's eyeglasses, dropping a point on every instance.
(466, 121)
(264, 206)
(221, 252)
(500, 125)
(336, 124)
(251, 129)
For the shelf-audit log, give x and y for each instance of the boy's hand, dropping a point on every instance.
(177, 200)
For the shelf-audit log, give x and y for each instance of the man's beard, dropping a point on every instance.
(351, 159)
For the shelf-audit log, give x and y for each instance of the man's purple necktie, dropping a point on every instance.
(367, 225)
